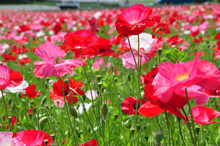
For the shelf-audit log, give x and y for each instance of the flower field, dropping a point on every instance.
(133, 76)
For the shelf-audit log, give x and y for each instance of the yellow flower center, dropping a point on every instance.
(182, 76)
(134, 22)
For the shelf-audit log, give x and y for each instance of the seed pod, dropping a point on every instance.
(158, 136)
(132, 130)
(42, 120)
(99, 77)
(197, 129)
(46, 141)
(73, 111)
(138, 127)
(52, 136)
(104, 111)
(43, 100)
(13, 106)
(146, 138)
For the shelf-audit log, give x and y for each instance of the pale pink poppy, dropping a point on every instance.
(197, 76)
(53, 63)
(204, 25)
(204, 115)
(128, 60)
(59, 103)
(147, 44)
(6, 139)
(93, 92)
(98, 63)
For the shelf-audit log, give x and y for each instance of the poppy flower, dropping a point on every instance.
(129, 62)
(6, 139)
(150, 110)
(82, 41)
(133, 20)
(204, 115)
(53, 63)
(19, 88)
(147, 44)
(14, 120)
(194, 31)
(160, 28)
(145, 79)
(9, 78)
(104, 47)
(128, 106)
(92, 142)
(9, 57)
(33, 137)
(57, 93)
(197, 76)
(30, 92)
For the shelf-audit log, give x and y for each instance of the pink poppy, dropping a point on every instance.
(148, 45)
(6, 139)
(97, 64)
(204, 115)
(133, 20)
(128, 60)
(53, 63)
(34, 137)
(9, 78)
(197, 76)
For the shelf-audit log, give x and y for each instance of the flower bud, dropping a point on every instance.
(43, 100)
(42, 120)
(197, 129)
(72, 111)
(100, 85)
(9, 101)
(13, 106)
(52, 136)
(146, 137)
(19, 95)
(66, 81)
(104, 111)
(46, 141)
(138, 127)
(10, 119)
(132, 130)
(116, 116)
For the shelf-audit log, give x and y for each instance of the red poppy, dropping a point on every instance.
(30, 92)
(82, 41)
(145, 79)
(24, 61)
(128, 106)
(33, 137)
(175, 40)
(150, 110)
(204, 115)
(57, 93)
(57, 27)
(23, 28)
(9, 57)
(133, 20)
(161, 27)
(92, 142)
(9, 78)
(217, 36)
(104, 47)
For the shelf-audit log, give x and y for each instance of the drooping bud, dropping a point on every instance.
(42, 120)
(13, 106)
(66, 81)
(43, 100)
(9, 101)
(19, 95)
(73, 111)
(104, 111)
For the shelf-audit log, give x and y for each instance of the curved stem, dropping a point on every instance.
(50, 121)
(168, 126)
(85, 112)
(66, 107)
(3, 97)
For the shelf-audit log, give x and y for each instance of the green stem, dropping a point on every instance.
(168, 126)
(181, 135)
(9, 124)
(66, 107)
(193, 127)
(85, 112)
(188, 124)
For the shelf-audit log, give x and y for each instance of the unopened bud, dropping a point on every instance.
(100, 85)
(9, 101)
(66, 81)
(46, 141)
(52, 136)
(146, 137)
(42, 120)
(13, 106)
(43, 100)
(89, 128)
(19, 95)
(116, 116)
(10, 119)
(197, 129)
(72, 111)
(104, 111)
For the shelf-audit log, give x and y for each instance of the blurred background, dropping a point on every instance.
(87, 4)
